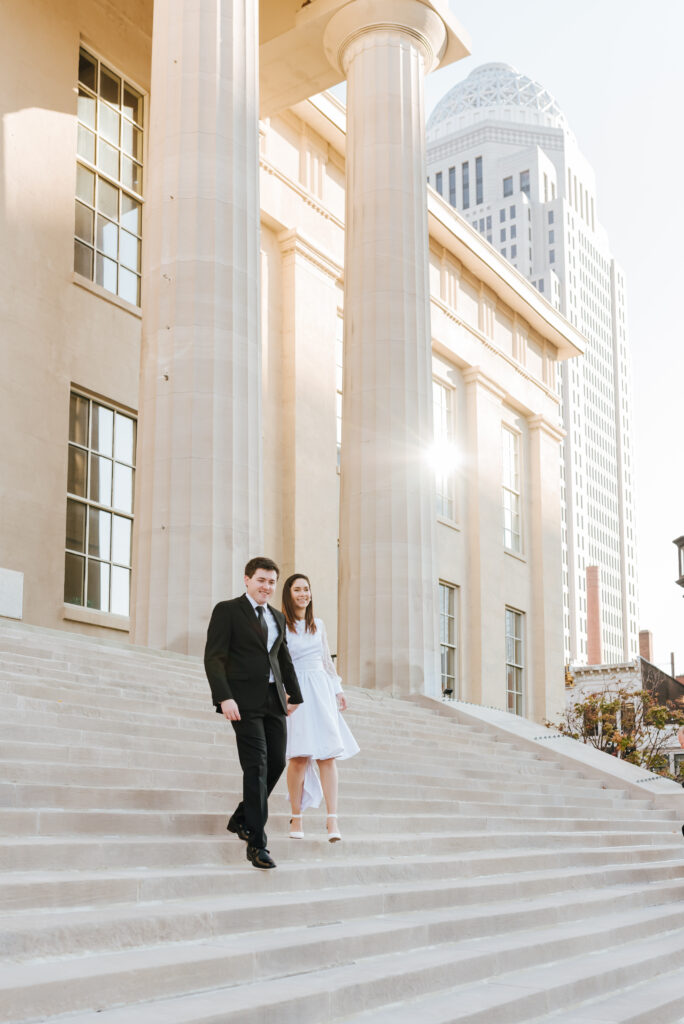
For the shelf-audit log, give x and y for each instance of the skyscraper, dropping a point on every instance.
(501, 152)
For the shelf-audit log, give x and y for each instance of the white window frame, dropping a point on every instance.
(107, 245)
(449, 609)
(111, 566)
(514, 631)
(444, 447)
(511, 493)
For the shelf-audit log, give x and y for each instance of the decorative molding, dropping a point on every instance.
(475, 375)
(452, 315)
(292, 242)
(553, 430)
(305, 196)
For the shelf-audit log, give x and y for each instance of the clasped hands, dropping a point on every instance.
(232, 712)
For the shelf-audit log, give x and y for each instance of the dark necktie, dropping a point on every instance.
(262, 624)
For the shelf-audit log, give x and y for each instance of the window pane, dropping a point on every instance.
(131, 175)
(75, 525)
(106, 273)
(121, 583)
(124, 438)
(100, 480)
(107, 237)
(107, 199)
(74, 573)
(87, 70)
(130, 251)
(83, 260)
(86, 108)
(110, 87)
(108, 159)
(84, 223)
(129, 286)
(99, 534)
(103, 429)
(123, 488)
(132, 104)
(98, 585)
(131, 140)
(131, 214)
(121, 540)
(85, 185)
(78, 420)
(86, 144)
(108, 123)
(77, 471)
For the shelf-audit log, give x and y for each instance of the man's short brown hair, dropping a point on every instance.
(261, 562)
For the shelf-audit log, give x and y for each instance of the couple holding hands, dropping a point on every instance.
(272, 676)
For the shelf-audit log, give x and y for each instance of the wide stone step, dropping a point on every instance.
(658, 1000)
(89, 853)
(313, 994)
(356, 784)
(70, 797)
(63, 888)
(521, 996)
(488, 908)
(49, 821)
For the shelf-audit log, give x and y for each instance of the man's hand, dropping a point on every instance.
(291, 707)
(230, 710)
(341, 702)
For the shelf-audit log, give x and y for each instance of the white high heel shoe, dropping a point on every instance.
(334, 837)
(294, 834)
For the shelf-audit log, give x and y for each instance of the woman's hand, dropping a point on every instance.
(341, 702)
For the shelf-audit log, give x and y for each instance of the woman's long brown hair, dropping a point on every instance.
(289, 608)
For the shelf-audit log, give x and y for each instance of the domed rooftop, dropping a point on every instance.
(499, 91)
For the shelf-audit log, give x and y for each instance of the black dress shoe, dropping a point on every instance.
(239, 829)
(260, 858)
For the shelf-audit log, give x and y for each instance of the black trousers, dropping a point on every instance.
(261, 738)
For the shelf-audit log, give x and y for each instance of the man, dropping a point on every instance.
(253, 685)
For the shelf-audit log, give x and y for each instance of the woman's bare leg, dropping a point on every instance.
(328, 772)
(296, 770)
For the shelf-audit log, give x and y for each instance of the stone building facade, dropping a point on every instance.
(235, 320)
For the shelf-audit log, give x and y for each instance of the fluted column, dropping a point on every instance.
(388, 583)
(198, 508)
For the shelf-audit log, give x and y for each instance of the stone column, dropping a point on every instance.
(198, 507)
(388, 584)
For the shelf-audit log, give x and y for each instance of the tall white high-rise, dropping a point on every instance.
(501, 152)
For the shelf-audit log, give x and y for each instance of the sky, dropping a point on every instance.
(615, 67)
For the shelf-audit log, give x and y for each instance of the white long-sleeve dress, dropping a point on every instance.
(317, 729)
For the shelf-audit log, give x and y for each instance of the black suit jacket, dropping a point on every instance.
(238, 663)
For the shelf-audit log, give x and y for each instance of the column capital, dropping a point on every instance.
(554, 430)
(293, 242)
(475, 375)
(410, 18)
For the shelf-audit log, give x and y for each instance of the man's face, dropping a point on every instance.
(261, 585)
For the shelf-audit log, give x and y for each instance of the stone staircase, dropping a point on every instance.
(478, 880)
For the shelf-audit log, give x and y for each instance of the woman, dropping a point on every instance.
(317, 731)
